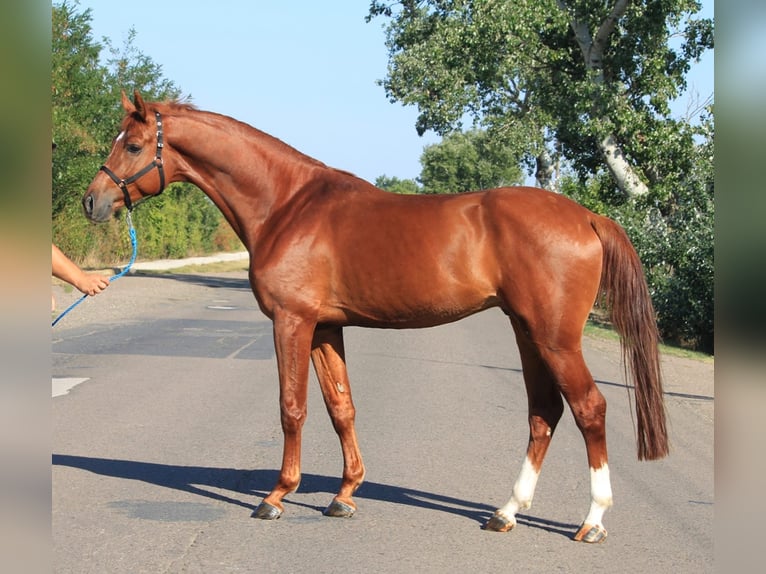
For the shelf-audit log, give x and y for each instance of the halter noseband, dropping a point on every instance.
(157, 162)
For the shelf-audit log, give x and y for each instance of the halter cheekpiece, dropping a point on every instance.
(157, 162)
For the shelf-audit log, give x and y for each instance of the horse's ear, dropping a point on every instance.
(136, 108)
(127, 104)
(138, 101)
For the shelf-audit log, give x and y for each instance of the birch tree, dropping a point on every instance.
(589, 80)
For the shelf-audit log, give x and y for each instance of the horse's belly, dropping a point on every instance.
(396, 310)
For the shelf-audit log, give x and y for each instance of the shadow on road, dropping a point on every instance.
(193, 479)
(213, 281)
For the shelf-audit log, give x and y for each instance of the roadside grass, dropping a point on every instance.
(599, 331)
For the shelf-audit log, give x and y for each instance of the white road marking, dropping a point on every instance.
(63, 386)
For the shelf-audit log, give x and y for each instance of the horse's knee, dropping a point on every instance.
(292, 419)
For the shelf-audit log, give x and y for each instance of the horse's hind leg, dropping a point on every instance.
(567, 372)
(545, 410)
(589, 409)
(329, 361)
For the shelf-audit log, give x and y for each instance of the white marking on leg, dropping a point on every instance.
(600, 494)
(523, 491)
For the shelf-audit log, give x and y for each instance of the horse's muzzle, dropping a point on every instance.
(97, 210)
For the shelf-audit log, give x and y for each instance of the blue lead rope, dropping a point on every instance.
(134, 244)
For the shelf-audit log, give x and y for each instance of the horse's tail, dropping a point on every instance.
(626, 294)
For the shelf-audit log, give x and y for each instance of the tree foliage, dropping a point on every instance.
(86, 113)
(674, 236)
(396, 185)
(467, 161)
(589, 79)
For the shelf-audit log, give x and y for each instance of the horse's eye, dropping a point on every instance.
(133, 148)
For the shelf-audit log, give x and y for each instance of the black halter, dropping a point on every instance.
(157, 162)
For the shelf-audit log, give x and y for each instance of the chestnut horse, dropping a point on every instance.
(328, 249)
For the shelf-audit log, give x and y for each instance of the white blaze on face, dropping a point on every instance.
(119, 137)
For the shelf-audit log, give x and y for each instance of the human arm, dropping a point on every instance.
(67, 270)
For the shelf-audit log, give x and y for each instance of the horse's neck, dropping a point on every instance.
(245, 172)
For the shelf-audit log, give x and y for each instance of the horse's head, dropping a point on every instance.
(129, 173)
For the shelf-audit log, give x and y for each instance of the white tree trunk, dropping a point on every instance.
(544, 171)
(624, 174)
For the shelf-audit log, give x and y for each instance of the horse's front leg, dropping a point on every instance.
(292, 341)
(329, 360)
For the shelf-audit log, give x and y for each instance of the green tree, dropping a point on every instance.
(590, 79)
(396, 185)
(467, 161)
(674, 238)
(85, 116)
(78, 100)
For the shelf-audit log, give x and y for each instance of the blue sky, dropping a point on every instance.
(303, 71)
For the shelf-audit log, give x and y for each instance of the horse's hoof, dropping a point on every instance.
(339, 509)
(266, 511)
(499, 523)
(592, 534)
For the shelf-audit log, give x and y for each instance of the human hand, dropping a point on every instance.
(92, 283)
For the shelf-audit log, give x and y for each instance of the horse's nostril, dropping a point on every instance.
(88, 204)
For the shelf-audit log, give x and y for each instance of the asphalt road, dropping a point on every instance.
(169, 438)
